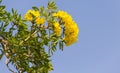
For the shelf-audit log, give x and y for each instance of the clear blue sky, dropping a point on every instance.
(98, 48)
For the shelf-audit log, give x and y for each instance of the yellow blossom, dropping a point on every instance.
(57, 28)
(71, 34)
(71, 28)
(28, 17)
(34, 13)
(64, 15)
(30, 14)
(40, 21)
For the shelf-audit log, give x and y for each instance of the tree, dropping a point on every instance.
(28, 42)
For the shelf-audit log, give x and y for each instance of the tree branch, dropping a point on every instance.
(27, 38)
(7, 64)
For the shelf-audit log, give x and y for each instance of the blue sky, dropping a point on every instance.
(98, 48)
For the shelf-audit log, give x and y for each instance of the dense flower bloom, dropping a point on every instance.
(28, 17)
(40, 21)
(57, 28)
(30, 14)
(71, 28)
(71, 33)
(64, 15)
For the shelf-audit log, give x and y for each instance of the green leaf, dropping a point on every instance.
(2, 7)
(52, 5)
(35, 8)
(61, 45)
(0, 1)
(13, 11)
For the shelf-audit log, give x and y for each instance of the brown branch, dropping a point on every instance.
(7, 64)
(5, 48)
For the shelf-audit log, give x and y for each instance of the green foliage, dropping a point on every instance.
(28, 48)
(52, 5)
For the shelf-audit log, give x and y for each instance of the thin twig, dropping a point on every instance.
(27, 38)
(7, 64)
(5, 44)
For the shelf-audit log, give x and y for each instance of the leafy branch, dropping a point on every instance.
(29, 42)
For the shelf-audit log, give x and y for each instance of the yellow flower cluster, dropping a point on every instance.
(57, 28)
(32, 14)
(40, 20)
(71, 28)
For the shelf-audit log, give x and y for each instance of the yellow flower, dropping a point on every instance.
(40, 20)
(70, 40)
(71, 34)
(57, 28)
(71, 28)
(28, 17)
(34, 13)
(30, 14)
(64, 15)
(55, 14)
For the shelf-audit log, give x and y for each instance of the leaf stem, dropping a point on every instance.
(27, 38)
